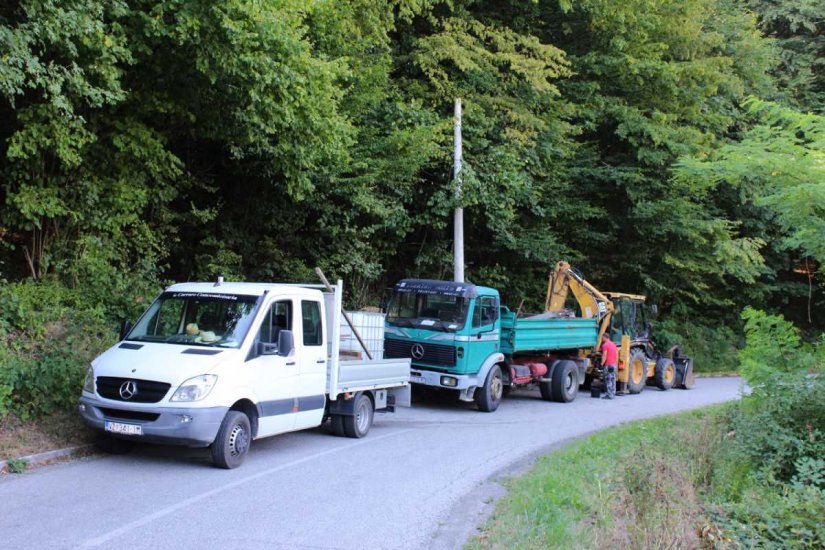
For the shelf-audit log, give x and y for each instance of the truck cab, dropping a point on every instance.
(450, 331)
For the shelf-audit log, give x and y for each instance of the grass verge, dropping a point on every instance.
(22, 438)
(634, 486)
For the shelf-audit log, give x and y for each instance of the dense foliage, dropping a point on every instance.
(771, 486)
(662, 147)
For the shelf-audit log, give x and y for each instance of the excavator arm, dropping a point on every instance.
(594, 303)
(591, 301)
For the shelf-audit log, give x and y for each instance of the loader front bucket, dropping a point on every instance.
(684, 372)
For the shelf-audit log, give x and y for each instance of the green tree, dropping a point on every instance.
(778, 168)
(799, 30)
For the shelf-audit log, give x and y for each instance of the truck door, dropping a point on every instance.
(274, 378)
(484, 331)
(311, 390)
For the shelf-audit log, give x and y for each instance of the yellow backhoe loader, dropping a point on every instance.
(623, 319)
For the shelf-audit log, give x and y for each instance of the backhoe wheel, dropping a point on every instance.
(232, 443)
(637, 375)
(359, 424)
(488, 397)
(564, 384)
(665, 374)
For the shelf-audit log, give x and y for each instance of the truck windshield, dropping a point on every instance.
(426, 310)
(196, 318)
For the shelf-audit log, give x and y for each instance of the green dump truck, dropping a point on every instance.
(459, 337)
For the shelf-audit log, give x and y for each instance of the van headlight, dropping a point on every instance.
(89, 381)
(196, 388)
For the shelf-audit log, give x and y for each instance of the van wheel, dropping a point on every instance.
(113, 445)
(358, 425)
(232, 442)
(488, 397)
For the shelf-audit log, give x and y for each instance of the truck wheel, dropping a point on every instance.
(546, 391)
(358, 425)
(337, 424)
(488, 397)
(665, 374)
(545, 388)
(565, 382)
(637, 375)
(113, 445)
(232, 442)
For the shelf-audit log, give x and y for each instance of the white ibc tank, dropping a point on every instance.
(371, 328)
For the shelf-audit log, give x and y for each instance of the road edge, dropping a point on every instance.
(48, 457)
(472, 510)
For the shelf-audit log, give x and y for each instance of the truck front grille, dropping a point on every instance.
(148, 391)
(434, 354)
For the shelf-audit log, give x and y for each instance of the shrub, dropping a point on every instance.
(780, 518)
(774, 351)
(713, 348)
(778, 426)
(49, 336)
(780, 435)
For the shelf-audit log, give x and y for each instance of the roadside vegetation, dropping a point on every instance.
(744, 475)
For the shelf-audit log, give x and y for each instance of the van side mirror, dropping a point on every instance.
(286, 343)
(655, 309)
(125, 328)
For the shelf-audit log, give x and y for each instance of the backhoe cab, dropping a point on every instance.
(622, 318)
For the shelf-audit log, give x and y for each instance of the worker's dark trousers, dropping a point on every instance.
(610, 381)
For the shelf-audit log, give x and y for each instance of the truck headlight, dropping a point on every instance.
(89, 381)
(196, 388)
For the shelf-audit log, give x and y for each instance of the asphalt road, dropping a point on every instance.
(423, 478)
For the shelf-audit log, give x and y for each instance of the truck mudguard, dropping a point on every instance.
(492, 360)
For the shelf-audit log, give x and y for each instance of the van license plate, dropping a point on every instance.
(121, 428)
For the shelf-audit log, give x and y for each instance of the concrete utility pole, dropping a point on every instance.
(458, 217)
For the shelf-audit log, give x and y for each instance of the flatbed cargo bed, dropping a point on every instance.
(360, 375)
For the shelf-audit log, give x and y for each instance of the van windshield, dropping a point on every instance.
(196, 318)
(427, 310)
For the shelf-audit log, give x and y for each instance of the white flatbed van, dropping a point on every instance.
(220, 364)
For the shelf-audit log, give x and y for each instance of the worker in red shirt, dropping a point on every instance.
(610, 360)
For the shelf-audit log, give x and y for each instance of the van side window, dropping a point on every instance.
(311, 318)
(486, 311)
(278, 318)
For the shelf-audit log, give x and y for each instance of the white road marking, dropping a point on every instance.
(97, 541)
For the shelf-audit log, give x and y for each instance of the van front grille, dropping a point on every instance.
(145, 391)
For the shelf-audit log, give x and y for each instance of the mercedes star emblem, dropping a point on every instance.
(417, 351)
(128, 389)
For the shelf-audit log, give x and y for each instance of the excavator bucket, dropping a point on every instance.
(684, 372)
